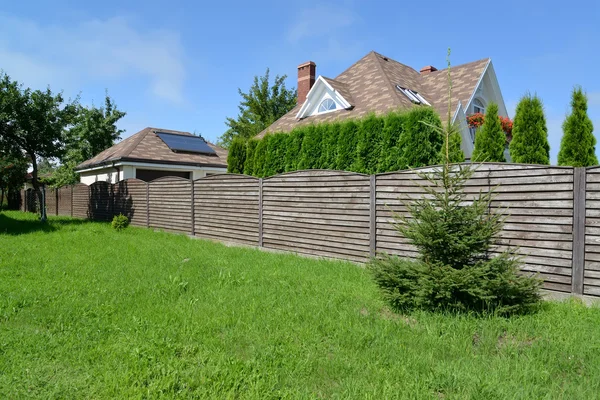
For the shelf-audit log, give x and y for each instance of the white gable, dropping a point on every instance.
(321, 99)
(487, 91)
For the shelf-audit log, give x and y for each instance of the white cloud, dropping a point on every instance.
(322, 20)
(66, 56)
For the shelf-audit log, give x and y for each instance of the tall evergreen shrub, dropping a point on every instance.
(578, 144)
(330, 145)
(370, 133)
(236, 157)
(310, 154)
(390, 152)
(275, 157)
(260, 156)
(420, 142)
(529, 143)
(346, 147)
(249, 164)
(490, 139)
(292, 154)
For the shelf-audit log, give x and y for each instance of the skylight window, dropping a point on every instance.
(413, 96)
(327, 105)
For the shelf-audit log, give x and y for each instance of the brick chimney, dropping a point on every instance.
(428, 69)
(306, 79)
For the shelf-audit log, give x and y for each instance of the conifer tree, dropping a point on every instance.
(421, 141)
(276, 149)
(578, 144)
(347, 141)
(529, 143)
(455, 153)
(389, 159)
(369, 144)
(329, 152)
(236, 156)
(310, 154)
(260, 157)
(490, 139)
(249, 164)
(292, 153)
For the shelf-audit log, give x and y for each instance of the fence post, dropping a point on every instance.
(373, 216)
(147, 205)
(260, 212)
(57, 197)
(578, 265)
(72, 190)
(193, 230)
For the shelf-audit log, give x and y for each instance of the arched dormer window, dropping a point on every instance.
(326, 105)
(478, 107)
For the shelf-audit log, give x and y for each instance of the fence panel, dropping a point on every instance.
(591, 274)
(226, 208)
(100, 205)
(130, 199)
(170, 204)
(321, 213)
(81, 200)
(51, 203)
(538, 201)
(64, 200)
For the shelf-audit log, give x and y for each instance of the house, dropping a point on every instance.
(153, 153)
(378, 84)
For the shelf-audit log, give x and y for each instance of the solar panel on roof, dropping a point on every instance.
(189, 144)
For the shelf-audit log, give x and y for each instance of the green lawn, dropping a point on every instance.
(87, 312)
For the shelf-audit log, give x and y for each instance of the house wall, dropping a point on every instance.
(129, 171)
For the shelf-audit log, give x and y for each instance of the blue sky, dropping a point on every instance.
(178, 64)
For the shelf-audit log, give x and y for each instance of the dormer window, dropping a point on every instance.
(413, 96)
(327, 105)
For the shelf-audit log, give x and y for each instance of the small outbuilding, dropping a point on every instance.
(154, 153)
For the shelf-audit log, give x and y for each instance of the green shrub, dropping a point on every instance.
(370, 133)
(275, 157)
(249, 164)
(310, 154)
(346, 145)
(578, 144)
(389, 158)
(236, 156)
(260, 157)
(490, 138)
(330, 146)
(292, 153)
(421, 141)
(120, 222)
(529, 144)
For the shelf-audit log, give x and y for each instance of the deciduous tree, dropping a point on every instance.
(262, 105)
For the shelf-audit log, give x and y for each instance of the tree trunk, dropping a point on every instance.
(36, 188)
(2, 199)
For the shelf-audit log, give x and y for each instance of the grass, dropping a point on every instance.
(88, 312)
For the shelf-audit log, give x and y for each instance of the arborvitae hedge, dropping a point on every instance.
(249, 165)
(275, 158)
(375, 144)
(236, 158)
(421, 139)
(347, 141)
(370, 133)
(260, 156)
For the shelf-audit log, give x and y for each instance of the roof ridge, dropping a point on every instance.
(390, 86)
(487, 59)
(356, 62)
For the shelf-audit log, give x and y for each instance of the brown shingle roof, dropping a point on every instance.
(370, 86)
(146, 146)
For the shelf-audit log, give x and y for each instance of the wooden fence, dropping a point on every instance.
(553, 213)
